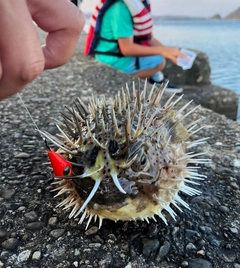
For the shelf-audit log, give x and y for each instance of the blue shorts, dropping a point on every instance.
(145, 63)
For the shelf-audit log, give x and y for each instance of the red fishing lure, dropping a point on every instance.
(61, 167)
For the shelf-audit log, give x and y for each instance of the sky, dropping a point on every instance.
(192, 8)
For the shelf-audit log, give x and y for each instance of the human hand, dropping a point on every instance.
(21, 56)
(171, 53)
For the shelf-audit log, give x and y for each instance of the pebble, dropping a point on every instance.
(92, 230)
(57, 232)
(224, 209)
(7, 193)
(95, 245)
(190, 246)
(41, 100)
(201, 242)
(206, 229)
(184, 264)
(197, 199)
(3, 233)
(31, 216)
(22, 208)
(112, 237)
(234, 185)
(24, 255)
(190, 233)
(10, 243)
(52, 221)
(75, 264)
(149, 246)
(38, 177)
(36, 255)
(163, 251)
(175, 231)
(76, 252)
(227, 256)
(199, 263)
(236, 265)
(233, 230)
(1, 264)
(201, 252)
(22, 155)
(34, 226)
(215, 242)
(152, 230)
(59, 254)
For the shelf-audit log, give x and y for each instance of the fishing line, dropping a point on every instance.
(34, 123)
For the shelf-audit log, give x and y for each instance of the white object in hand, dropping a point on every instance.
(186, 63)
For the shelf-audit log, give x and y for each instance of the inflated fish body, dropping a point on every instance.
(126, 159)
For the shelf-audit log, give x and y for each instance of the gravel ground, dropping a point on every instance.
(33, 233)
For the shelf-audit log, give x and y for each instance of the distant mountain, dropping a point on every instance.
(216, 17)
(235, 15)
(157, 18)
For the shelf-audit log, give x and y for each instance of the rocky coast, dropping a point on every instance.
(34, 233)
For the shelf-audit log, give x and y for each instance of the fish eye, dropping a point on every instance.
(67, 171)
(143, 160)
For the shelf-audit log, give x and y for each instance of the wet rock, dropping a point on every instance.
(184, 264)
(24, 255)
(95, 245)
(215, 242)
(197, 199)
(227, 255)
(205, 229)
(35, 226)
(234, 185)
(199, 263)
(190, 246)
(163, 251)
(59, 254)
(3, 233)
(52, 221)
(149, 246)
(224, 209)
(75, 264)
(36, 255)
(10, 244)
(7, 193)
(233, 230)
(175, 231)
(152, 230)
(22, 155)
(57, 233)
(31, 216)
(190, 233)
(92, 230)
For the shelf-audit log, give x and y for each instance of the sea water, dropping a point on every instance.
(220, 40)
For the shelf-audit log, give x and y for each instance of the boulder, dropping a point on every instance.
(199, 74)
(196, 83)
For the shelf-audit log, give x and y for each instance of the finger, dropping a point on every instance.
(182, 55)
(0, 70)
(173, 60)
(20, 50)
(63, 22)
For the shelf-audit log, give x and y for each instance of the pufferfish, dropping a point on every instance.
(125, 159)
